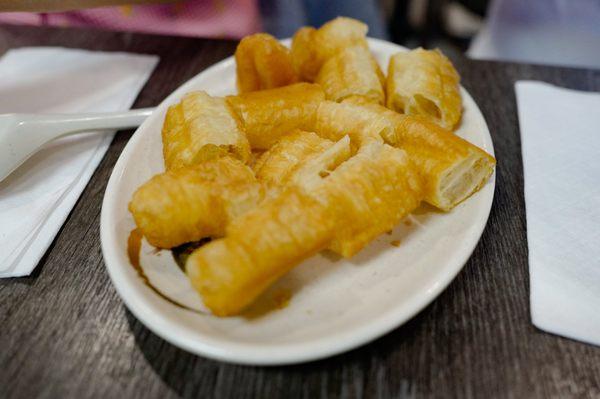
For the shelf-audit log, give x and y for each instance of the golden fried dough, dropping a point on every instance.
(455, 168)
(263, 63)
(452, 168)
(352, 72)
(267, 115)
(312, 47)
(371, 193)
(278, 163)
(259, 248)
(335, 120)
(304, 54)
(424, 82)
(367, 193)
(334, 201)
(194, 202)
(286, 169)
(199, 128)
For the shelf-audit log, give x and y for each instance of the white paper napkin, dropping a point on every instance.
(36, 199)
(560, 136)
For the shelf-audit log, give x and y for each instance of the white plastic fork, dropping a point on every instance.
(21, 135)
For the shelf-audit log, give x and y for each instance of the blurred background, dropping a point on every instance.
(557, 32)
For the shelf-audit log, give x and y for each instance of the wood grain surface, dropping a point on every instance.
(64, 332)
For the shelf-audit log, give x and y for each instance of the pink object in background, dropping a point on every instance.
(205, 18)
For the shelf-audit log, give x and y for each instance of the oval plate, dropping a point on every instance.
(334, 304)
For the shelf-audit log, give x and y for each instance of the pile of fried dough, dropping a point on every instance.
(320, 150)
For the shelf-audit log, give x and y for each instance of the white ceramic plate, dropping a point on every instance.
(335, 304)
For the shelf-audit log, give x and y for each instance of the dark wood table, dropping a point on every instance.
(64, 332)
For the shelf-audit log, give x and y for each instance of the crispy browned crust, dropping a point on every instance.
(263, 63)
(190, 203)
(268, 115)
(353, 71)
(453, 168)
(259, 248)
(311, 47)
(332, 200)
(333, 173)
(424, 83)
(277, 165)
(200, 128)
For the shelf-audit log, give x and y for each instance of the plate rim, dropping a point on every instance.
(282, 353)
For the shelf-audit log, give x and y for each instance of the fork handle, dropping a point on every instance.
(58, 125)
(21, 135)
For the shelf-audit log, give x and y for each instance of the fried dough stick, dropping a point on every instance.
(200, 128)
(353, 71)
(425, 83)
(259, 248)
(331, 201)
(263, 63)
(191, 203)
(379, 185)
(267, 115)
(332, 122)
(453, 169)
(275, 166)
(368, 194)
(337, 57)
(311, 47)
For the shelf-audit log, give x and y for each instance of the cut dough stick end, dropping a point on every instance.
(463, 180)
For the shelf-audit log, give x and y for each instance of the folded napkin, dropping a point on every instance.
(560, 136)
(36, 199)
